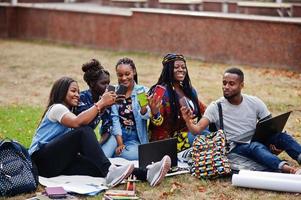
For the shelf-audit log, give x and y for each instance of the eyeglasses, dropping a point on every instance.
(171, 57)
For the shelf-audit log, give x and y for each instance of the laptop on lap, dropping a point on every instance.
(269, 127)
(155, 151)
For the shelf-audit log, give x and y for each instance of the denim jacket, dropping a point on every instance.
(140, 120)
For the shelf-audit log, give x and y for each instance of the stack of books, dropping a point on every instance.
(120, 194)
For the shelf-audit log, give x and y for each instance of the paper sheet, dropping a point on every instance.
(266, 182)
(78, 184)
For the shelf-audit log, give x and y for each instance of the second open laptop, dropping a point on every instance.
(268, 127)
(155, 151)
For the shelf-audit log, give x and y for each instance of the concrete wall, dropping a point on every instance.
(273, 42)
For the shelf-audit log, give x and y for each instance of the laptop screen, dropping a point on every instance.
(155, 151)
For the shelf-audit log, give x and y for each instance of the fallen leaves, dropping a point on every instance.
(202, 189)
(174, 187)
(278, 72)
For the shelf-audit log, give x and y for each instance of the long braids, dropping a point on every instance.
(167, 79)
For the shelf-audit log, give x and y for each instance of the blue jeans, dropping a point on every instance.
(109, 146)
(261, 153)
(131, 142)
(191, 136)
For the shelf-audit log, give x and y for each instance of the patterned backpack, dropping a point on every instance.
(209, 158)
(17, 174)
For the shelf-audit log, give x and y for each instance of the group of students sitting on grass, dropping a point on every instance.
(65, 142)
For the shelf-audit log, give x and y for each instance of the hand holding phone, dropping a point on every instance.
(184, 102)
(142, 98)
(111, 88)
(121, 91)
(159, 91)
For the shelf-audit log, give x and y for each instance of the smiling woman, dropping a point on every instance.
(166, 120)
(63, 145)
(129, 117)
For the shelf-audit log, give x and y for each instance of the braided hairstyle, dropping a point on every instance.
(128, 61)
(167, 79)
(93, 71)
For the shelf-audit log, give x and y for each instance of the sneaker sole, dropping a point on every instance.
(163, 171)
(126, 174)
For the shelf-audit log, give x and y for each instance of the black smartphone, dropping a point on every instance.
(121, 90)
(111, 88)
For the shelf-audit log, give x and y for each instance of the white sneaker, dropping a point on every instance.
(298, 172)
(118, 174)
(157, 171)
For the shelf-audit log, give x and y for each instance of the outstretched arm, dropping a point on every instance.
(194, 128)
(84, 118)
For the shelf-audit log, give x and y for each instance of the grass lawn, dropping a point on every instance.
(28, 69)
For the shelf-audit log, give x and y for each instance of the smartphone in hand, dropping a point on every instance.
(142, 97)
(121, 90)
(159, 91)
(184, 102)
(111, 88)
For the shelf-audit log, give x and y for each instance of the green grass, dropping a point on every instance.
(19, 123)
(28, 69)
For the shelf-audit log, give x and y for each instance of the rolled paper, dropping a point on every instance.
(266, 183)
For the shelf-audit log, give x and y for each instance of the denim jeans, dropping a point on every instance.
(192, 136)
(131, 142)
(109, 146)
(261, 153)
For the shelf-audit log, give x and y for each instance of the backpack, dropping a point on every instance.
(208, 154)
(17, 174)
(238, 162)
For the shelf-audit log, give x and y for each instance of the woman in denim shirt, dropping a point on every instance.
(129, 118)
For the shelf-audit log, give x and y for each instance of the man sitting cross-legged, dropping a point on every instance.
(240, 115)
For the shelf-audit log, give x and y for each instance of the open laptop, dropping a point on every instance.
(155, 151)
(268, 127)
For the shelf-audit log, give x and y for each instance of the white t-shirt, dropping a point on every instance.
(239, 120)
(56, 112)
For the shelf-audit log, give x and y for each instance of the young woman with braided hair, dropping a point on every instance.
(166, 120)
(97, 78)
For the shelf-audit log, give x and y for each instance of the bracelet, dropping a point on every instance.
(157, 120)
(97, 107)
(156, 116)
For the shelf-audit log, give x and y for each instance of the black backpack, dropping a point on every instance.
(17, 174)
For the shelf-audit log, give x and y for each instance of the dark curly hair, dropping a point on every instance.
(128, 61)
(93, 71)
